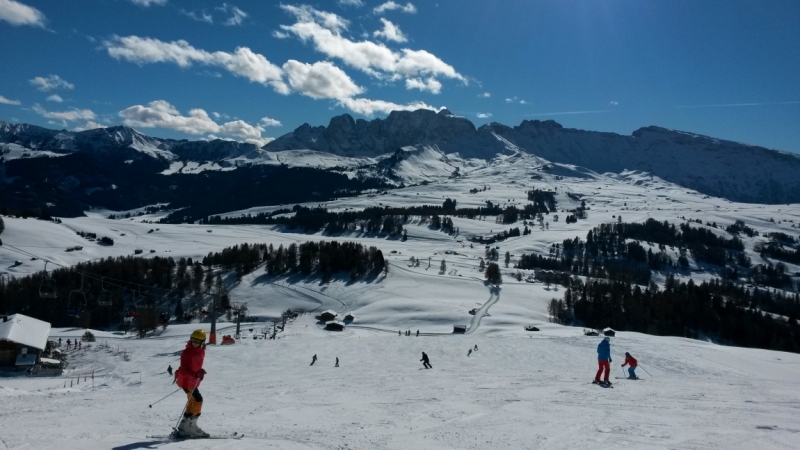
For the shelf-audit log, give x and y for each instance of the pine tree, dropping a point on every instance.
(493, 275)
(443, 267)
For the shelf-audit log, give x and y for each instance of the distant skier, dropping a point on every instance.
(476, 347)
(169, 369)
(80, 345)
(603, 358)
(337, 362)
(59, 342)
(425, 361)
(313, 359)
(69, 344)
(398, 333)
(417, 333)
(469, 352)
(189, 375)
(630, 360)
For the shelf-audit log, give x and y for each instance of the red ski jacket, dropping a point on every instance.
(630, 360)
(191, 362)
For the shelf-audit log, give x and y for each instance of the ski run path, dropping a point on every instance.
(520, 390)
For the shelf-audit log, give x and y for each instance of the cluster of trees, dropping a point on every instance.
(512, 232)
(612, 251)
(543, 201)
(740, 227)
(718, 309)
(163, 285)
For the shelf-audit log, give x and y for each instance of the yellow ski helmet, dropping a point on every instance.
(199, 334)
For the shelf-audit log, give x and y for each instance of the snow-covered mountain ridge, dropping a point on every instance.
(715, 167)
(712, 166)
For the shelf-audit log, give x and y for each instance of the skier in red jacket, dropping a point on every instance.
(630, 360)
(188, 376)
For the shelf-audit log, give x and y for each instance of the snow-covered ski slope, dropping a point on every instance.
(519, 390)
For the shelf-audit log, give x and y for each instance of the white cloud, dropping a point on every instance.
(50, 83)
(269, 122)
(375, 59)
(369, 107)
(55, 98)
(516, 100)
(237, 16)
(391, 6)
(613, 103)
(483, 115)
(431, 84)
(161, 114)
(242, 62)
(147, 3)
(199, 16)
(67, 116)
(523, 102)
(485, 95)
(6, 101)
(356, 3)
(280, 35)
(17, 13)
(89, 125)
(320, 80)
(390, 32)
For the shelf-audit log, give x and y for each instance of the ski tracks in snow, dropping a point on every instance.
(494, 297)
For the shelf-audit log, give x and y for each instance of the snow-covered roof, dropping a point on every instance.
(25, 330)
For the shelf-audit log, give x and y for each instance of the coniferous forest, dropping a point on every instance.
(101, 293)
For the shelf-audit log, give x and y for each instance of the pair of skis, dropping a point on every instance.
(175, 436)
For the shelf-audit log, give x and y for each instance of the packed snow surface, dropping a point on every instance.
(520, 389)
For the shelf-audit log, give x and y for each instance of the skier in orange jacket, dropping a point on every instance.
(188, 376)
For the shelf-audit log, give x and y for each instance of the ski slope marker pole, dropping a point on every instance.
(176, 390)
(645, 371)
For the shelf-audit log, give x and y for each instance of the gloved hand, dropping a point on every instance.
(622, 365)
(200, 374)
(610, 360)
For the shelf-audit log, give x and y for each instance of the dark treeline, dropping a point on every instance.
(721, 310)
(606, 254)
(184, 287)
(389, 219)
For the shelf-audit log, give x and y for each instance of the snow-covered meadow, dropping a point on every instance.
(519, 390)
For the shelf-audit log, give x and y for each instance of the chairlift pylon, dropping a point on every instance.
(77, 301)
(104, 299)
(47, 289)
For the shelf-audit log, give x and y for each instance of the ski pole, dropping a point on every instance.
(645, 371)
(164, 397)
(181, 416)
(623, 371)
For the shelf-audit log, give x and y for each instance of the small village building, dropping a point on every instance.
(459, 329)
(334, 325)
(22, 340)
(609, 332)
(349, 317)
(326, 316)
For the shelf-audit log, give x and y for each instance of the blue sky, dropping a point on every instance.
(255, 70)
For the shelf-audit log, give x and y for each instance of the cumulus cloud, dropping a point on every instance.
(356, 3)
(483, 115)
(280, 35)
(237, 16)
(50, 83)
(6, 101)
(369, 107)
(323, 30)
(161, 114)
(320, 80)
(270, 122)
(392, 6)
(431, 84)
(147, 3)
(516, 100)
(613, 103)
(242, 62)
(390, 32)
(485, 95)
(66, 116)
(17, 13)
(55, 98)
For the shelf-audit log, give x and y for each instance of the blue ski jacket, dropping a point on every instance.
(604, 351)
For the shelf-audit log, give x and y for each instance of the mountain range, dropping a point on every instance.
(155, 170)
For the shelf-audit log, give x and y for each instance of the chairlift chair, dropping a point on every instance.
(77, 301)
(104, 299)
(47, 289)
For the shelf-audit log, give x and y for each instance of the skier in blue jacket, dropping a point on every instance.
(603, 360)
